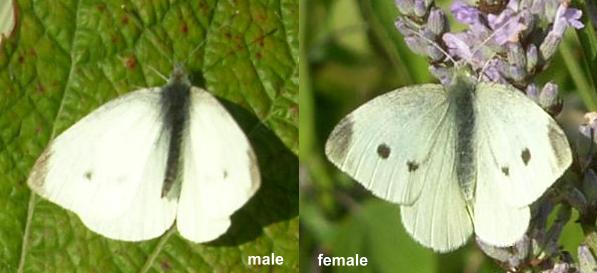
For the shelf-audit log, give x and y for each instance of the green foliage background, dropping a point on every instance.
(68, 57)
(352, 53)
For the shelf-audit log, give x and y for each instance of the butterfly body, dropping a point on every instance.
(462, 94)
(175, 109)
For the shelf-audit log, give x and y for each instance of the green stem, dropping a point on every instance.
(583, 84)
(588, 41)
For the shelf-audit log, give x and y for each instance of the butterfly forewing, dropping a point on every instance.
(104, 172)
(386, 143)
(520, 140)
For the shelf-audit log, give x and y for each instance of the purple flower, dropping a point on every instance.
(572, 17)
(405, 6)
(413, 7)
(549, 95)
(589, 127)
(566, 17)
(508, 25)
(586, 259)
(458, 45)
(465, 13)
(533, 92)
(559, 268)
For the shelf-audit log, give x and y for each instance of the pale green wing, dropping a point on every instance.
(497, 222)
(521, 141)
(385, 144)
(439, 219)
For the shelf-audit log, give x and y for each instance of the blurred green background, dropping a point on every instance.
(350, 53)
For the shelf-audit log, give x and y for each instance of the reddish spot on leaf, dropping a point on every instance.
(294, 111)
(124, 19)
(260, 17)
(261, 40)
(101, 7)
(203, 7)
(32, 52)
(130, 62)
(184, 28)
(258, 55)
(114, 38)
(165, 265)
(21, 59)
(40, 88)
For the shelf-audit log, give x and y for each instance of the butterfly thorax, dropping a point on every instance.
(461, 94)
(175, 112)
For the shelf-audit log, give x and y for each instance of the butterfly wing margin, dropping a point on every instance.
(109, 167)
(538, 152)
(379, 156)
(220, 171)
(440, 217)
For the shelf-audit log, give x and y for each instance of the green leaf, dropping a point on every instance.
(374, 231)
(68, 57)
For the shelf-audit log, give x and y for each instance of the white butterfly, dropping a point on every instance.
(459, 158)
(140, 161)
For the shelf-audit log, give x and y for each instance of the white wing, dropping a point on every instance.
(109, 168)
(220, 170)
(523, 142)
(439, 218)
(380, 141)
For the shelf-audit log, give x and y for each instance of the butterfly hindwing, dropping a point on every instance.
(440, 217)
(104, 172)
(497, 222)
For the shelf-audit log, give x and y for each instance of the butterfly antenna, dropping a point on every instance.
(483, 43)
(260, 38)
(227, 23)
(486, 40)
(158, 73)
(485, 66)
(434, 43)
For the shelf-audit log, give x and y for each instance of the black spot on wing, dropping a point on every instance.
(506, 171)
(526, 156)
(412, 166)
(339, 140)
(383, 151)
(88, 175)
